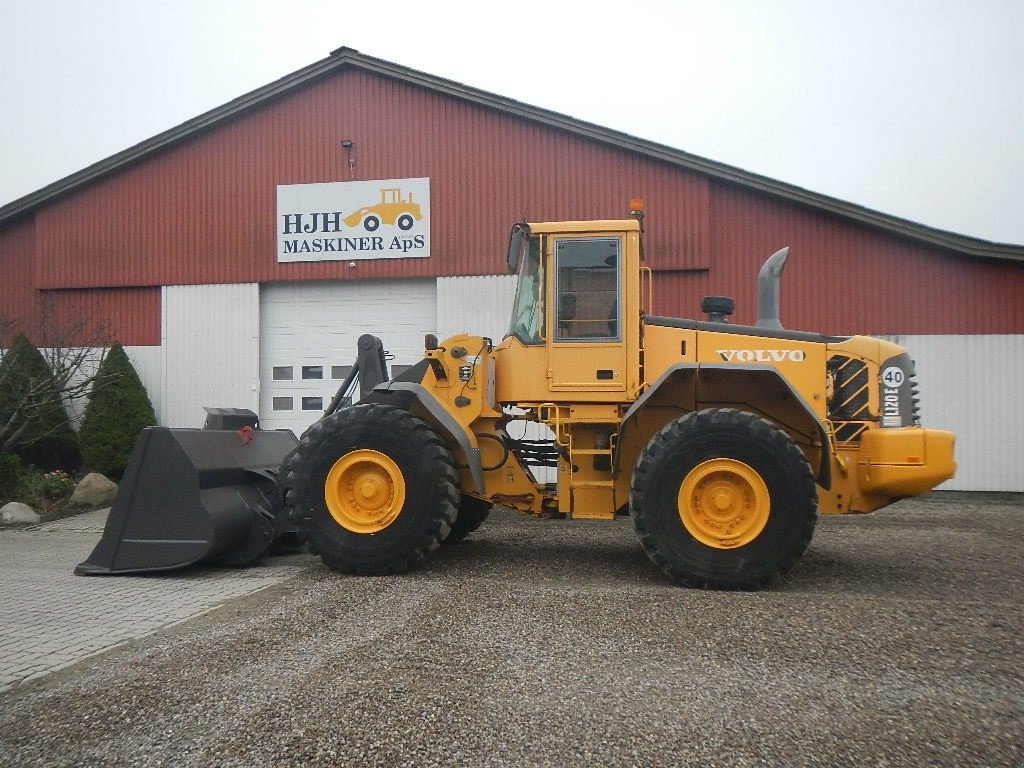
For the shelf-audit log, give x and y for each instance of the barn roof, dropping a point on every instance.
(347, 57)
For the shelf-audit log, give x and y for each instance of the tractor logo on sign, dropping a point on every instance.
(391, 209)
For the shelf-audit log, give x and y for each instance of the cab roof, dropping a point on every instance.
(601, 225)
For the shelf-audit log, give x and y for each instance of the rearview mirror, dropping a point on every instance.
(517, 243)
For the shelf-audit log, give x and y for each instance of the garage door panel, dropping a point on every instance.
(317, 325)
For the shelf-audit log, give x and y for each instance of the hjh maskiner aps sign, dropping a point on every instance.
(346, 220)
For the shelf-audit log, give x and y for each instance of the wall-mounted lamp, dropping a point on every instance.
(346, 144)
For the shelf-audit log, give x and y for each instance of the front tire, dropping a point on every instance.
(723, 499)
(373, 489)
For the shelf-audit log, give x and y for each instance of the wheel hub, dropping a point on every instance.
(364, 491)
(724, 503)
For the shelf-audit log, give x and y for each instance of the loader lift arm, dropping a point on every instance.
(370, 368)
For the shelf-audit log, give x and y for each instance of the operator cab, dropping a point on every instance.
(576, 316)
(586, 291)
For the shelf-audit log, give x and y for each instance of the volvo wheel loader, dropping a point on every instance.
(722, 442)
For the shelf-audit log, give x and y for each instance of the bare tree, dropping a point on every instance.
(72, 346)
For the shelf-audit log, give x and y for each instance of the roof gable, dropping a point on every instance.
(347, 57)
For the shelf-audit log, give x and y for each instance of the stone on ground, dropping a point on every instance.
(94, 491)
(16, 512)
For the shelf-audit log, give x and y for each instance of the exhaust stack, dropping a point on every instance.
(768, 290)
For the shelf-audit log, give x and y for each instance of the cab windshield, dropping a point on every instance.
(528, 311)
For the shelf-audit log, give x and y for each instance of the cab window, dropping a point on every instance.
(527, 323)
(587, 306)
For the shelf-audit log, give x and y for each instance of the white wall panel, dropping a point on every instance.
(972, 386)
(149, 363)
(476, 305)
(210, 350)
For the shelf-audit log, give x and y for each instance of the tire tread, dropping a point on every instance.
(436, 459)
(644, 483)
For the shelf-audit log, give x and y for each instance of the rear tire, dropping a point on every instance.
(373, 489)
(472, 513)
(723, 499)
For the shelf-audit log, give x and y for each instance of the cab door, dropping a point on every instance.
(586, 348)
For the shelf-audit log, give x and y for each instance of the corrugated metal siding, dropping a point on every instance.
(130, 316)
(69, 317)
(203, 212)
(210, 351)
(846, 278)
(970, 385)
(17, 299)
(480, 306)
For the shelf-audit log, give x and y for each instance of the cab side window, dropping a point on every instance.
(587, 306)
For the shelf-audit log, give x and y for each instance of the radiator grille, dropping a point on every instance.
(848, 407)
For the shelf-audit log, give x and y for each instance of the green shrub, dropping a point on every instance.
(10, 475)
(34, 424)
(117, 411)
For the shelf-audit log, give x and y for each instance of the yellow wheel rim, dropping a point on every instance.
(724, 503)
(364, 491)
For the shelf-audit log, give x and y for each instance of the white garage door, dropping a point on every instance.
(308, 335)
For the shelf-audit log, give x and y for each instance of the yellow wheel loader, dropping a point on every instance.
(723, 442)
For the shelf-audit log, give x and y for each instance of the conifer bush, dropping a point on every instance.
(10, 475)
(34, 425)
(118, 409)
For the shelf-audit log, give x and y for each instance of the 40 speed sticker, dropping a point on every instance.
(893, 376)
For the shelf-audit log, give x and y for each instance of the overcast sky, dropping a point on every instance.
(911, 107)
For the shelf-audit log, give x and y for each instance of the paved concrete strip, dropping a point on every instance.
(51, 619)
(87, 522)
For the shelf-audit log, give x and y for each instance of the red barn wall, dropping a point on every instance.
(17, 254)
(203, 211)
(845, 277)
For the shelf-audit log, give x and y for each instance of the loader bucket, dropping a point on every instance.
(191, 496)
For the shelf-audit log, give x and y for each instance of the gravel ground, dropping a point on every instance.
(896, 642)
